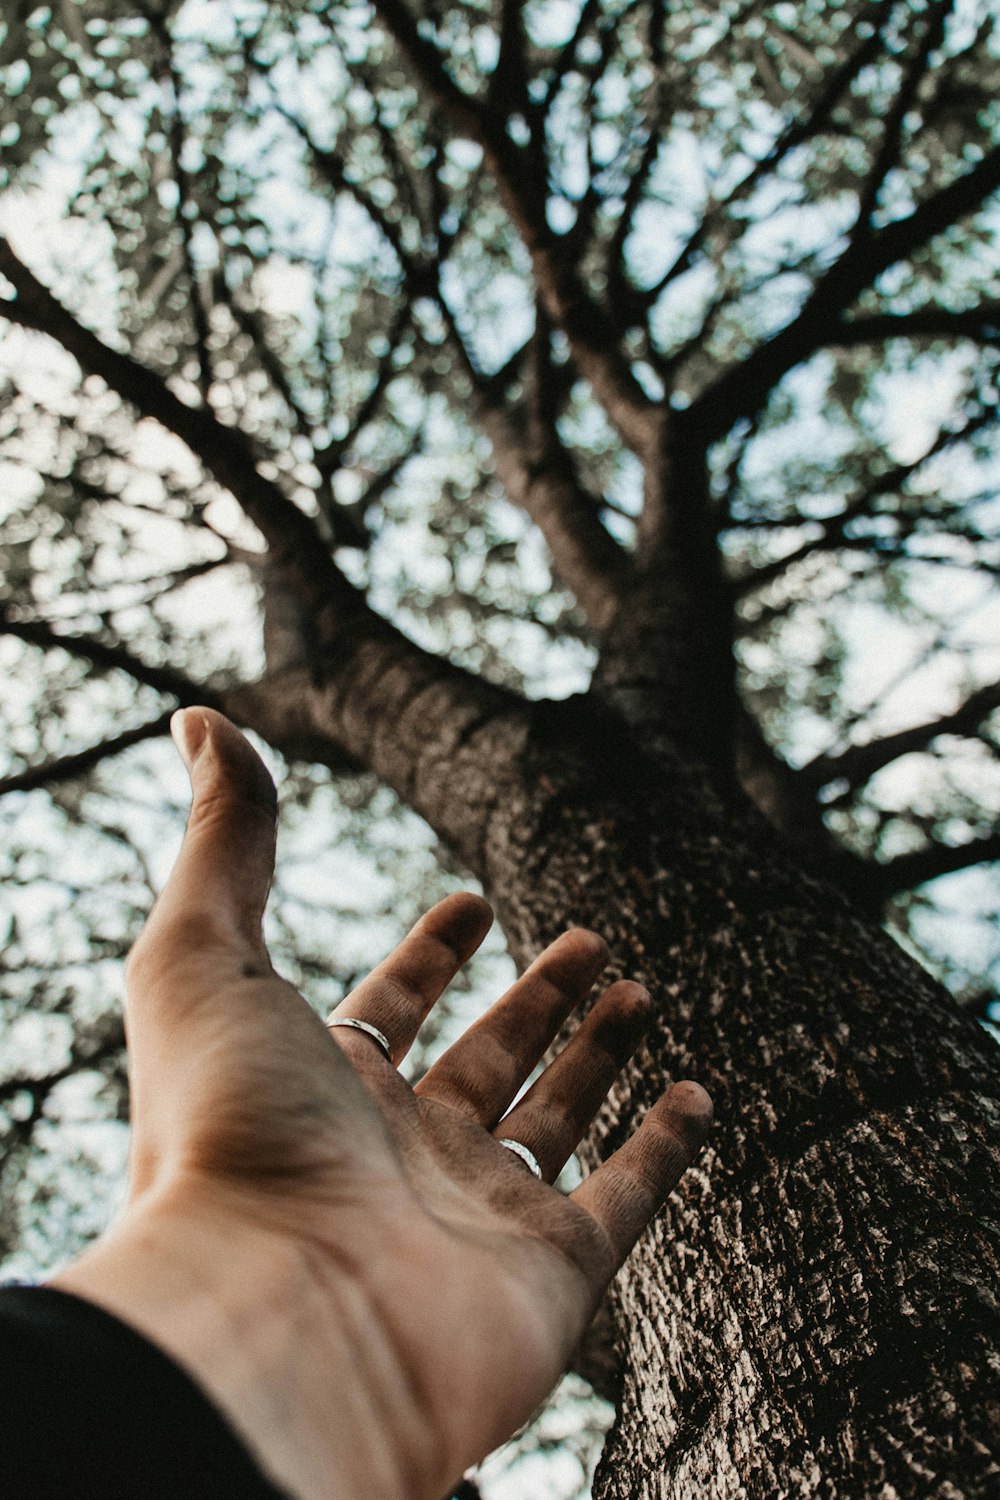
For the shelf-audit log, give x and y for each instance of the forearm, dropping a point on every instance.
(289, 1354)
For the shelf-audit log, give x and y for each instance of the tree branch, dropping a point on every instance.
(589, 12)
(110, 658)
(520, 174)
(84, 1055)
(858, 763)
(575, 242)
(538, 474)
(615, 267)
(438, 735)
(508, 84)
(175, 132)
(360, 685)
(586, 556)
(808, 124)
(909, 870)
(744, 388)
(832, 534)
(66, 767)
(948, 206)
(421, 277)
(330, 609)
(331, 457)
(888, 153)
(981, 324)
(789, 802)
(224, 451)
(249, 323)
(429, 65)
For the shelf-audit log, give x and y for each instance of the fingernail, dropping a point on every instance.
(188, 731)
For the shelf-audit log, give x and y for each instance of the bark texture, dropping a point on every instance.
(816, 1312)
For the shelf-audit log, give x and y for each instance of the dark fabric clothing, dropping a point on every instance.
(91, 1410)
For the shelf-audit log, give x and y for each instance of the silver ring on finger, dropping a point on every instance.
(522, 1152)
(367, 1028)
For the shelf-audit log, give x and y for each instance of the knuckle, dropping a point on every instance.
(195, 931)
(167, 944)
(530, 1121)
(462, 1100)
(137, 962)
(477, 1080)
(398, 995)
(224, 801)
(662, 1153)
(551, 1125)
(592, 1247)
(564, 974)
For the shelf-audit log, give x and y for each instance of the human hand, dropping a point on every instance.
(374, 1289)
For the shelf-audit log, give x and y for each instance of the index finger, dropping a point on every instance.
(399, 992)
(627, 1190)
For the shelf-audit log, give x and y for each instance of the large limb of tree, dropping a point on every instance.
(538, 473)
(345, 681)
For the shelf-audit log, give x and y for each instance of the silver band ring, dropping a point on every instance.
(368, 1028)
(528, 1157)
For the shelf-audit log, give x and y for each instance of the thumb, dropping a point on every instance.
(218, 887)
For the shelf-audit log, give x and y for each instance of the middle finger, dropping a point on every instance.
(481, 1073)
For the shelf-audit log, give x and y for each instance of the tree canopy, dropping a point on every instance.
(512, 312)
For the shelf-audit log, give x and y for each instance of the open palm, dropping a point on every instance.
(461, 1276)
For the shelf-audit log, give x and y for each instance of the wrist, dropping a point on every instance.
(285, 1346)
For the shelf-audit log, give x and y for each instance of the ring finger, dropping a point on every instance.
(554, 1114)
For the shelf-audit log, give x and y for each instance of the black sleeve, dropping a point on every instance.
(91, 1410)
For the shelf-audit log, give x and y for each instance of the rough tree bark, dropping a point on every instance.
(816, 1312)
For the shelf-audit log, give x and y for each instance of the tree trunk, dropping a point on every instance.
(815, 1312)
